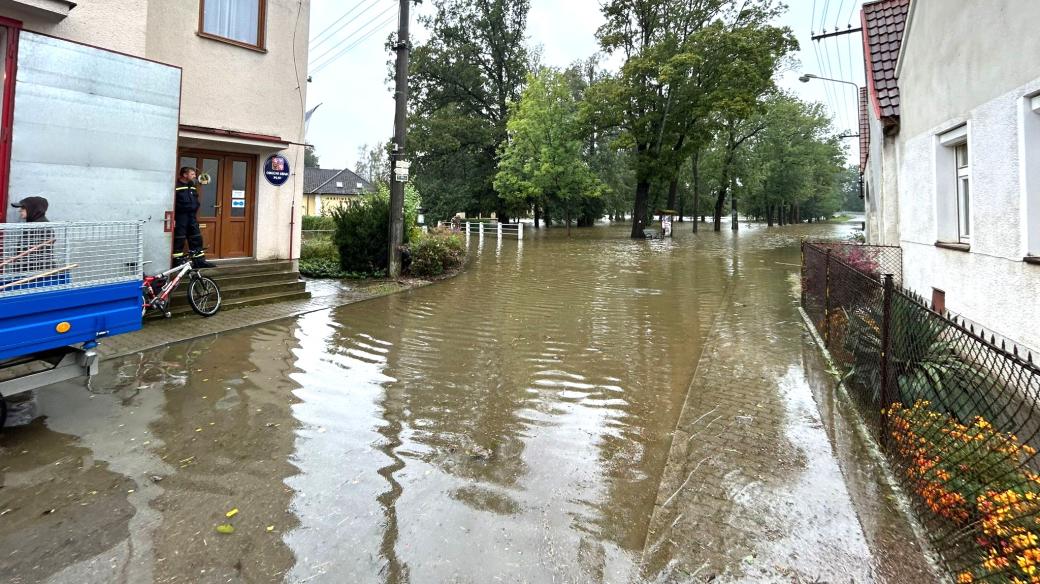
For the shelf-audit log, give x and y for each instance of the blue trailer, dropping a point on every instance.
(63, 288)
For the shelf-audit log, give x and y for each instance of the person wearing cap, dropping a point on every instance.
(35, 249)
(186, 223)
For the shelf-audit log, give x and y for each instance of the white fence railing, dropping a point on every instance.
(483, 228)
(45, 257)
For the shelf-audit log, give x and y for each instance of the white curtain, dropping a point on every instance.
(234, 19)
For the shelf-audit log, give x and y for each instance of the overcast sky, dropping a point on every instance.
(348, 63)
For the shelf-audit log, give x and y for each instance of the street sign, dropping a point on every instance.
(401, 176)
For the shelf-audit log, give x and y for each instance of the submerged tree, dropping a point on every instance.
(691, 66)
(542, 162)
(462, 82)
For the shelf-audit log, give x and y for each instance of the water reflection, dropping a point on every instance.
(512, 424)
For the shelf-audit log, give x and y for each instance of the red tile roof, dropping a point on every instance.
(864, 130)
(883, 24)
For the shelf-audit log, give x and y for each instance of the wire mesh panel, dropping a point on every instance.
(44, 257)
(957, 415)
(873, 260)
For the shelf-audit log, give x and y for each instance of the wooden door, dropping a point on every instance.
(237, 207)
(227, 203)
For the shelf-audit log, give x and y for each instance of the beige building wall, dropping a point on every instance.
(117, 25)
(225, 86)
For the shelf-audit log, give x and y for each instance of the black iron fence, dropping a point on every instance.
(955, 413)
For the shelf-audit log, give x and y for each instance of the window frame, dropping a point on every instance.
(963, 195)
(261, 33)
(953, 222)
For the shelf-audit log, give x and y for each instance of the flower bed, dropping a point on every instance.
(975, 477)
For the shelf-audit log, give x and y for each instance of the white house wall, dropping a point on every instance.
(990, 284)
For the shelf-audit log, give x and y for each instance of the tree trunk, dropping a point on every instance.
(639, 209)
(673, 194)
(696, 189)
(537, 215)
(769, 215)
(735, 221)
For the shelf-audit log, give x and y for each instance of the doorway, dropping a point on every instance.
(228, 201)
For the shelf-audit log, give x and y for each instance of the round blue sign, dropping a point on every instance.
(276, 169)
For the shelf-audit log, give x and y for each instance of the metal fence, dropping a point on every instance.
(38, 257)
(956, 413)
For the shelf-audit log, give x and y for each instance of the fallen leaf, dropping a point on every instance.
(226, 528)
(270, 528)
(232, 513)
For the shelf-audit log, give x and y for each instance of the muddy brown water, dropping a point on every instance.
(509, 425)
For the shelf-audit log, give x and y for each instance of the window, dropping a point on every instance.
(339, 184)
(963, 194)
(953, 188)
(238, 21)
(1031, 158)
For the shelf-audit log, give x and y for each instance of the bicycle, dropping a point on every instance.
(203, 292)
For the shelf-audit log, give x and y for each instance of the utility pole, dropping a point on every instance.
(399, 171)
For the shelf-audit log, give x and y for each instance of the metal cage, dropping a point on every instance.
(49, 257)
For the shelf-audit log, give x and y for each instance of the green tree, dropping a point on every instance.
(542, 162)
(462, 82)
(794, 164)
(373, 164)
(690, 66)
(310, 159)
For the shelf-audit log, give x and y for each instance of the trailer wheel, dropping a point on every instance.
(3, 412)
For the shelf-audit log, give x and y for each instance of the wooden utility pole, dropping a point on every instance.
(399, 171)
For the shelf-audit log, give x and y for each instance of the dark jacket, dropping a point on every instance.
(42, 256)
(187, 199)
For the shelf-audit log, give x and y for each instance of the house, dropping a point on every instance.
(103, 100)
(952, 171)
(326, 189)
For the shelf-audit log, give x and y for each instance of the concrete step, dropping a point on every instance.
(229, 293)
(230, 280)
(244, 267)
(230, 304)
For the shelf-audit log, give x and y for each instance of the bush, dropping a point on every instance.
(362, 236)
(435, 252)
(318, 223)
(319, 249)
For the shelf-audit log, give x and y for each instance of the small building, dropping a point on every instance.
(104, 99)
(326, 189)
(952, 171)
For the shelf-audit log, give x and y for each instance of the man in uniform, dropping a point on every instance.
(186, 222)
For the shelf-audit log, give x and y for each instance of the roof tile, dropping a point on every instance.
(883, 23)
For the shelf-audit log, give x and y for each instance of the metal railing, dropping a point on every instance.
(489, 228)
(44, 257)
(956, 413)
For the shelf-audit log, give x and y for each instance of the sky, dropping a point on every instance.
(349, 63)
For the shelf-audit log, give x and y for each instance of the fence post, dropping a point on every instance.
(802, 248)
(827, 301)
(520, 231)
(886, 358)
(481, 229)
(467, 227)
(500, 231)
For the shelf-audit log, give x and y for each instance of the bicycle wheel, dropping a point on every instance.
(204, 296)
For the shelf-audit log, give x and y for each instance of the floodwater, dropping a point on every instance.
(510, 425)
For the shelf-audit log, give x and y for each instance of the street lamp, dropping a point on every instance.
(807, 77)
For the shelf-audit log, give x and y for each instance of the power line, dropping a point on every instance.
(837, 15)
(823, 16)
(335, 58)
(371, 5)
(315, 38)
(348, 38)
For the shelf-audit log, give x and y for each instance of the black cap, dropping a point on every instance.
(32, 202)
